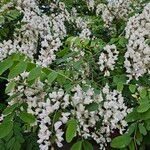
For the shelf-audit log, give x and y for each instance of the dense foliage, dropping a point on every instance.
(74, 71)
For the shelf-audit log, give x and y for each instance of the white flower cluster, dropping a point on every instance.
(87, 106)
(114, 110)
(111, 112)
(38, 29)
(114, 9)
(43, 105)
(83, 26)
(108, 58)
(137, 57)
(90, 4)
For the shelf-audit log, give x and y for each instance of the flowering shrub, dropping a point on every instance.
(74, 72)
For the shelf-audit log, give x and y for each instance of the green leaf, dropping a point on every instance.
(92, 107)
(10, 109)
(6, 64)
(57, 116)
(10, 143)
(145, 115)
(71, 130)
(9, 117)
(122, 41)
(18, 69)
(77, 146)
(132, 88)
(132, 128)
(26, 117)
(142, 129)
(133, 116)
(132, 146)
(143, 93)
(147, 122)
(13, 96)
(143, 107)
(120, 86)
(9, 136)
(52, 76)
(2, 20)
(34, 74)
(87, 145)
(17, 146)
(2, 145)
(121, 141)
(5, 128)
(119, 78)
(13, 14)
(10, 87)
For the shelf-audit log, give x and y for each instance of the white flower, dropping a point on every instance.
(57, 125)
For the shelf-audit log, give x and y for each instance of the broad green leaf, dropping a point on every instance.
(6, 64)
(77, 146)
(52, 76)
(34, 73)
(142, 129)
(30, 66)
(18, 69)
(92, 107)
(143, 107)
(143, 93)
(10, 109)
(26, 117)
(71, 130)
(87, 146)
(5, 128)
(144, 100)
(17, 56)
(132, 88)
(121, 141)
(10, 87)
(133, 116)
(120, 86)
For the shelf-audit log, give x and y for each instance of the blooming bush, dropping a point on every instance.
(74, 71)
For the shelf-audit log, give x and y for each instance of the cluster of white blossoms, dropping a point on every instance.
(98, 109)
(90, 4)
(110, 112)
(108, 58)
(39, 36)
(137, 57)
(43, 105)
(114, 9)
(83, 26)
(90, 108)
